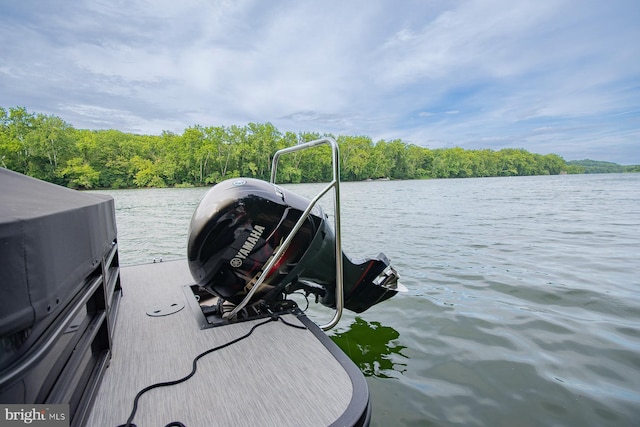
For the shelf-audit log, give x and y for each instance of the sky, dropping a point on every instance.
(548, 76)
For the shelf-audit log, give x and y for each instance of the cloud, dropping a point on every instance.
(475, 40)
(561, 76)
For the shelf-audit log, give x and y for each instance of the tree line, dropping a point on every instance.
(48, 148)
(596, 166)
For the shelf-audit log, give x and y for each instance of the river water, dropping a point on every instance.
(524, 303)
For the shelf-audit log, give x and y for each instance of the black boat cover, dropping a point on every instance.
(51, 239)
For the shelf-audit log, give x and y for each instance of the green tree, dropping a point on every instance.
(553, 164)
(52, 145)
(354, 156)
(17, 125)
(315, 164)
(452, 163)
(79, 174)
(147, 173)
(379, 164)
(110, 153)
(9, 146)
(419, 160)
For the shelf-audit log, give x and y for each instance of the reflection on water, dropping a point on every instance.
(371, 346)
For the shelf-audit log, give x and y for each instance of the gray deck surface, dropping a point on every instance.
(279, 376)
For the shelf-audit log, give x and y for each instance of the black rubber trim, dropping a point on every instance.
(358, 412)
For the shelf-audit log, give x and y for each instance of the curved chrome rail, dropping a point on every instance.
(335, 184)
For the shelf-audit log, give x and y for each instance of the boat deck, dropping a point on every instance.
(280, 375)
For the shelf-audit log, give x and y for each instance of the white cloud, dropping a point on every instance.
(470, 41)
(443, 73)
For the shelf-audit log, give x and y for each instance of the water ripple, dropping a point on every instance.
(523, 306)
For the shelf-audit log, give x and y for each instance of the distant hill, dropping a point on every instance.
(595, 166)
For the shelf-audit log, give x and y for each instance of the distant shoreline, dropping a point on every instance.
(46, 147)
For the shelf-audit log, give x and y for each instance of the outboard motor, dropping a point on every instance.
(240, 224)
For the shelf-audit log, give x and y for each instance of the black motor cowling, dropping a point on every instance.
(240, 224)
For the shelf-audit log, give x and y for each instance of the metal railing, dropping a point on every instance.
(335, 184)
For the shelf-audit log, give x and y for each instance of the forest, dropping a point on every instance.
(46, 147)
(595, 166)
